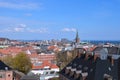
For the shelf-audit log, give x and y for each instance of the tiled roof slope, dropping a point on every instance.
(44, 64)
(94, 65)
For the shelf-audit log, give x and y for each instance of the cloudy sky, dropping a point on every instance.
(56, 19)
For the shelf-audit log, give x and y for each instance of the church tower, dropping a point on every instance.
(77, 39)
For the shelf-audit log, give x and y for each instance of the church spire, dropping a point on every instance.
(77, 40)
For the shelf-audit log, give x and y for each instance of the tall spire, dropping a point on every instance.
(77, 36)
(77, 40)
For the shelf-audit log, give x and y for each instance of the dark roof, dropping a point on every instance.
(110, 50)
(113, 50)
(27, 77)
(3, 66)
(95, 68)
(81, 64)
(19, 73)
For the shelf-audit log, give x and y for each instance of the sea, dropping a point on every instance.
(116, 42)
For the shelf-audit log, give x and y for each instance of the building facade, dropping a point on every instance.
(6, 73)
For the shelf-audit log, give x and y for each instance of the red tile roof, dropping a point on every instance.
(44, 64)
(11, 50)
(14, 50)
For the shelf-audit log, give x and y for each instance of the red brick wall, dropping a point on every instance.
(6, 75)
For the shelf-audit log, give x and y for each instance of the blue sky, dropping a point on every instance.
(56, 19)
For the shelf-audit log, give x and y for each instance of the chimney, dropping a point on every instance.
(78, 53)
(84, 75)
(96, 55)
(66, 71)
(112, 61)
(86, 56)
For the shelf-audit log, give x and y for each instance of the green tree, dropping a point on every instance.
(63, 58)
(22, 63)
(8, 60)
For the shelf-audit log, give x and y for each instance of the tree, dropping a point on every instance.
(63, 58)
(8, 60)
(22, 63)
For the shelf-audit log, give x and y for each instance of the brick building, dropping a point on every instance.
(7, 73)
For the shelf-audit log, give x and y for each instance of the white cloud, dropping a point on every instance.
(19, 5)
(69, 30)
(40, 30)
(22, 25)
(14, 28)
(19, 28)
(23, 28)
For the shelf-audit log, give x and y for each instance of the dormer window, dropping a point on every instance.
(68, 67)
(71, 63)
(80, 77)
(91, 70)
(85, 68)
(107, 77)
(74, 64)
(71, 73)
(76, 75)
(80, 66)
(67, 71)
(84, 75)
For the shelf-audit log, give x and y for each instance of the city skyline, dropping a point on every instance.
(56, 19)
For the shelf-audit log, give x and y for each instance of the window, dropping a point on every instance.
(46, 73)
(74, 64)
(80, 66)
(80, 77)
(76, 76)
(107, 77)
(91, 70)
(66, 71)
(9, 75)
(2, 75)
(71, 74)
(86, 68)
(52, 72)
(57, 73)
